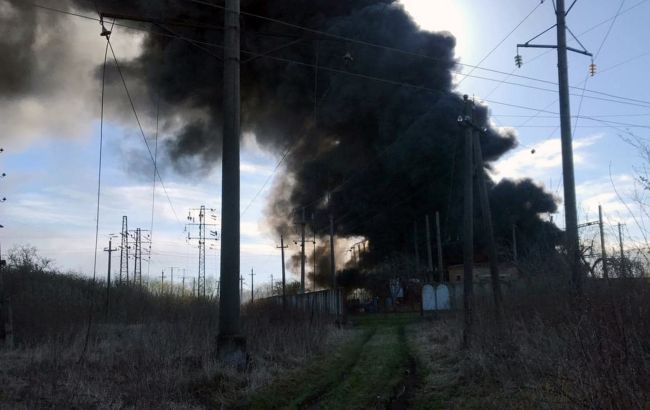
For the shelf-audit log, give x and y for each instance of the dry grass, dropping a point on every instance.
(149, 352)
(158, 365)
(551, 352)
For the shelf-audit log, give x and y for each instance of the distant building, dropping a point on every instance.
(508, 272)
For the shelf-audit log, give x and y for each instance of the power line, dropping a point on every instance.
(144, 138)
(277, 166)
(153, 193)
(394, 49)
(617, 99)
(502, 41)
(600, 48)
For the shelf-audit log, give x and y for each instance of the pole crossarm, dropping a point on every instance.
(575, 50)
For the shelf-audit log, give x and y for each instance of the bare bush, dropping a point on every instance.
(589, 354)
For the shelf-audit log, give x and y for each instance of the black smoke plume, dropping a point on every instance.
(376, 155)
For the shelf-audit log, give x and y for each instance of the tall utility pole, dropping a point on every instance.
(162, 282)
(603, 252)
(313, 283)
(137, 257)
(620, 244)
(231, 346)
(570, 209)
(302, 252)
(487, 223)
(124, 252)
(439, 246)
(429, 250)
(171, 278)
(332, 256)
(3, 333)
(110, 251)
(252, 287)
(202, 238)
(415, 247)
(183, 285)
(468, 224)
(284, 294)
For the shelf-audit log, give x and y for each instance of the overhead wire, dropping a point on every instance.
(153, 193)
(600, 48)
(347, 73)
(99, 191)
(617, 99)
(396, 49)
(144, 138)
(502, 41)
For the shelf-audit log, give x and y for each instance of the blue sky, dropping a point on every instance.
(51, 143)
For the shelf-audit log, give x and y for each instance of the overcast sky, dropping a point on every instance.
(51, 139)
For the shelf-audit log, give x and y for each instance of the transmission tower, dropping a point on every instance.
(124, 252)
(202, 238)
(139, 241)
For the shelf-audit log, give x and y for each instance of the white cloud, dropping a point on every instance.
(545, 162)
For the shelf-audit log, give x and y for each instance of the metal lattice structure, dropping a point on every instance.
(124, 252)
(202, 238)
(138, 248)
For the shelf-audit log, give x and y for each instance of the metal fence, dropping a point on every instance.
(330, 302)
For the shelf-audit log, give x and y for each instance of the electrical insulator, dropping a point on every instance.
(519, 61)
(592, 69)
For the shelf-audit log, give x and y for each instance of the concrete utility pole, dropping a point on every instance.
(231, 345)
(620, 244)
(302, 252)
(468, 225)
(603, 252)
(162, 282)
(429, 250)
(3, 334)
(171, 286)
(110, 251)
(570, 209)
(252, 287)
(415, 247)
(313, 284)
(439, 246)
(487, 221)
(332, 255)
(284, 283)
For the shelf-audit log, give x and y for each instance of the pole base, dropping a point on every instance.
(231, 350)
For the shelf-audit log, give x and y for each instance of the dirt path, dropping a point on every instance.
(376, 371)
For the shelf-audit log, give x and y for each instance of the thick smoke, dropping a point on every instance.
(375, 155)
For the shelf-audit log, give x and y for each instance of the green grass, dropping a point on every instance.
(364, 374)
(306, 385)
